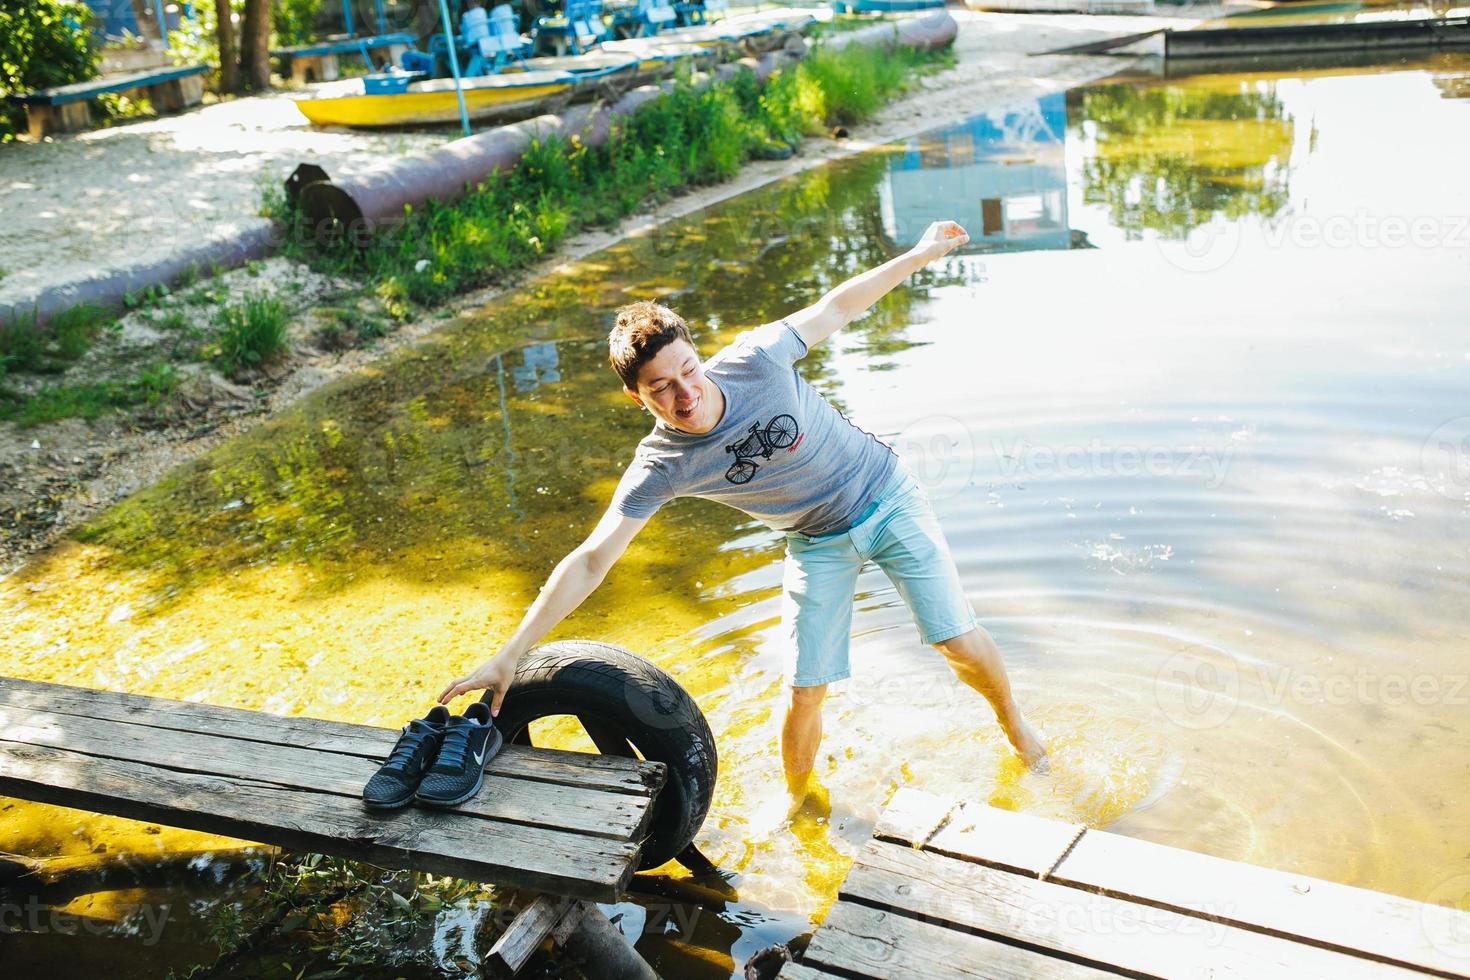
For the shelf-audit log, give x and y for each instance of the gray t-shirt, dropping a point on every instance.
(781, 453)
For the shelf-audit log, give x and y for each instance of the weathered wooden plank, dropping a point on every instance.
(801, 971)
(1103, 932)
(526, 932)
(616, 815)
(913, 816)
(856, 939)
(547, 765)
(997, 838)
(466, 846)
(1367, 923)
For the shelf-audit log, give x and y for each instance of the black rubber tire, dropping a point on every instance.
(616, 688)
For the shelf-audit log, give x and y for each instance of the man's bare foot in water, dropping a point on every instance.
(807, 797)
(805, 800)
(1027, 743)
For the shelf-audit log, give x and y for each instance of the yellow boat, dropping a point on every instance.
(601, 73)
(490, 97)
(656, 57)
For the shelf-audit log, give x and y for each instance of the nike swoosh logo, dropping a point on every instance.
(480, 756)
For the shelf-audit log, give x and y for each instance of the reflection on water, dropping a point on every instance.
(1211, 502)
(537, 366)
(1001, 175)
(1168, 159)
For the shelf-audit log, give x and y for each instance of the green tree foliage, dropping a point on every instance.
(199, 38)
(1170, 158)
(42, 43)
(295, 21)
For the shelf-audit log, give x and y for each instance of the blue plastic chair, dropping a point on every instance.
(580, 24)
(474, 28)
(495, 42)
(654, 16)
(701, 12)
(484, 43)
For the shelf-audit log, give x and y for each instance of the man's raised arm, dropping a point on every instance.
(842, 304)
(575, 578)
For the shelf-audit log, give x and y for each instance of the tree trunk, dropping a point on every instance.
(255, 44)
(229, 59)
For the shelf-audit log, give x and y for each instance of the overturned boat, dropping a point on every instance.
(401, 99)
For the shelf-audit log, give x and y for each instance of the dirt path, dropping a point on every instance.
(54, 476)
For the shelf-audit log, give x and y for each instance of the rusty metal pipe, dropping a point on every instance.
(362, 203)
(378, 198)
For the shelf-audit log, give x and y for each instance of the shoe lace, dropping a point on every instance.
(452, 752)
(409, 747)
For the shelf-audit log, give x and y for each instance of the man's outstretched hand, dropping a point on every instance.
(494, 675)
(941, 238)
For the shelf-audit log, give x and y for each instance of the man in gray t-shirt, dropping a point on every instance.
(781, 453)
(745, 428)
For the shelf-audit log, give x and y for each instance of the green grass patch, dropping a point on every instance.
(689, 137)
(842, 23)
(149, 296)
(37, 348)
(154, 383)
(251, 333)
(174, 321)
(848, 86)
(346, 326)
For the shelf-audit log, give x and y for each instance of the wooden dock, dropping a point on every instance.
(1381, 35)
(560, 823)
(947, 889)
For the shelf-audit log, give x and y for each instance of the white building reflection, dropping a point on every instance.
(1001, 175)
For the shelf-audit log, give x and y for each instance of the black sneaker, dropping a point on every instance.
(470, 741)
(394, 784)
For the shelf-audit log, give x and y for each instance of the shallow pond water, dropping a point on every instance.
(1191, 407)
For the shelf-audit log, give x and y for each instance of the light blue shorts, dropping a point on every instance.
(902, 537)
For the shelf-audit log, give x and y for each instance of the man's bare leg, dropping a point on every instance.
(976, 661)
(801, 733)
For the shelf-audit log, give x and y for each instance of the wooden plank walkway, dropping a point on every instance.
(563, 823)
(954, 889)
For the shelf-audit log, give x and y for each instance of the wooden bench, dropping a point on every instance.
(317, 62)
(66, 108)
(948, 889)
(563, 824)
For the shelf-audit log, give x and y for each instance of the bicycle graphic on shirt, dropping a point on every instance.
(779, 433)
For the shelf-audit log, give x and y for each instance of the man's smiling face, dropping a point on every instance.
(672, 385)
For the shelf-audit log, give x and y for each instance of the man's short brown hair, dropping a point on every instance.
(641, 330)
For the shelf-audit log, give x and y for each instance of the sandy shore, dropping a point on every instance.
(83, 205)
(64, 213)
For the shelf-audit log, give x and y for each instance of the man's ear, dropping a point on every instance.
(637, 399)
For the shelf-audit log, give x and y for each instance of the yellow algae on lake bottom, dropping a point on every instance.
(1203, 510)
